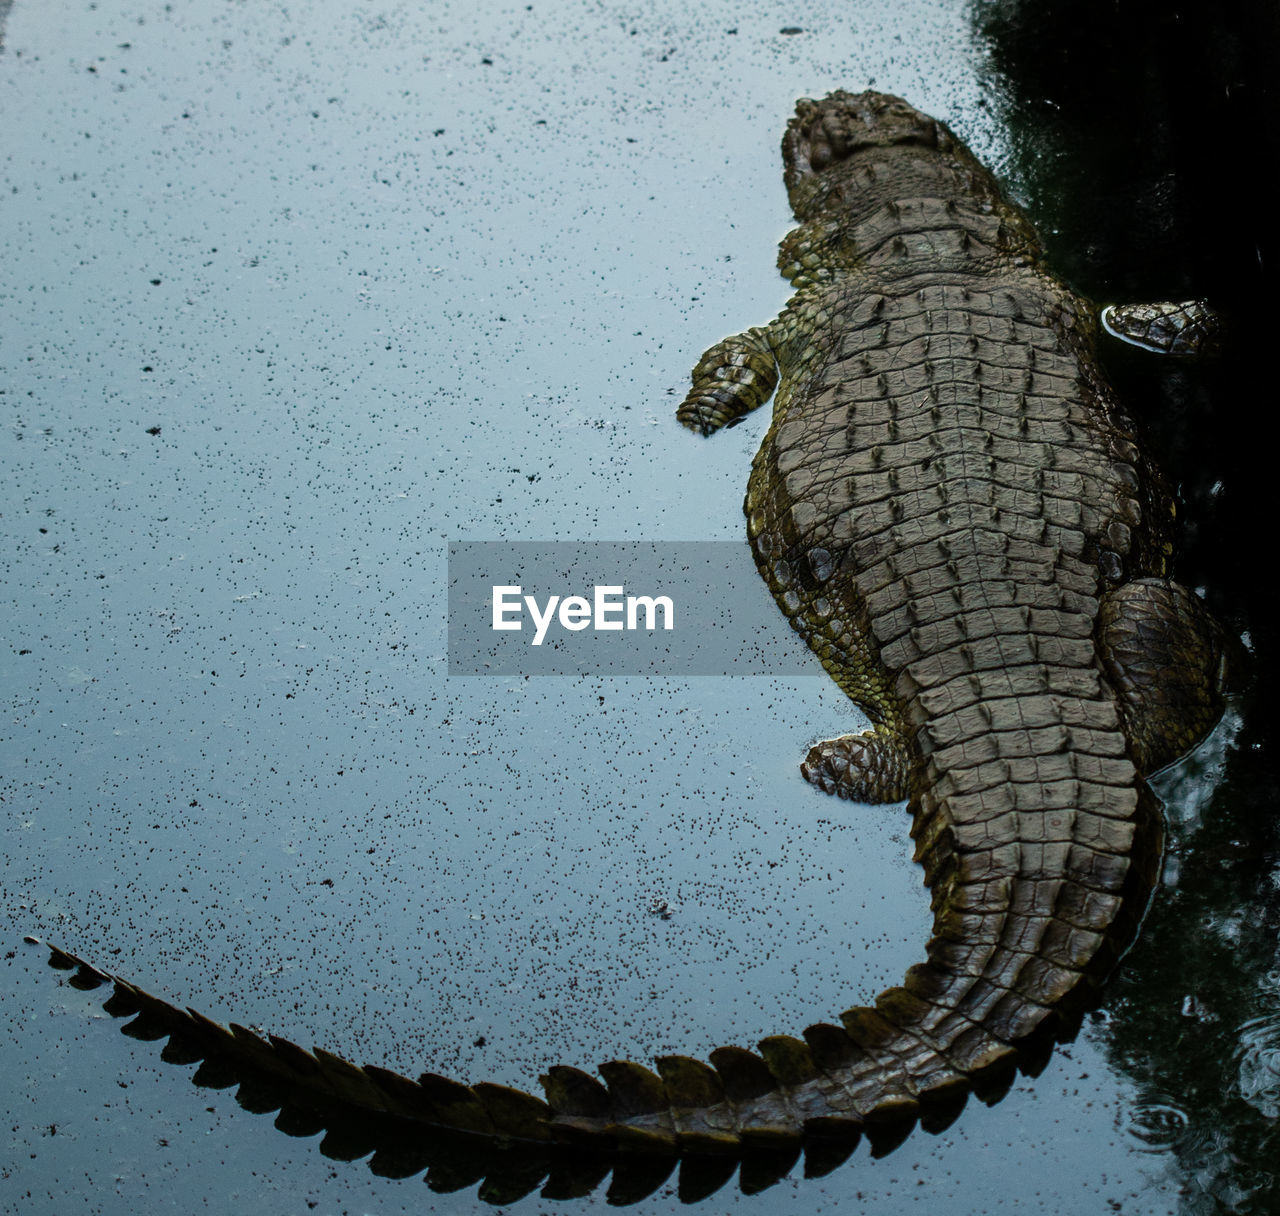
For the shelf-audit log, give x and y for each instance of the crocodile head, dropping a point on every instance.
(823, 140)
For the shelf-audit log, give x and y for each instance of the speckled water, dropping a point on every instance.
(292, 296)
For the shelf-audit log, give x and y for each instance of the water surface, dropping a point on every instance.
(293, 297)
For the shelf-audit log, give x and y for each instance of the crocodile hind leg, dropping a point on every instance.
(871, 767)
(1170, 663)
(1182, 327)
(732, 378)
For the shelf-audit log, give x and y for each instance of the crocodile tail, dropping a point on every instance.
(1024, 932)
(1035, 899)
(461, 1135)
(509, 1142)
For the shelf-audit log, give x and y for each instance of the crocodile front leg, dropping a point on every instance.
(874, 766)
(1167, 327)
(732, 378)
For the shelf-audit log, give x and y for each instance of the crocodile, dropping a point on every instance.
(951, 508)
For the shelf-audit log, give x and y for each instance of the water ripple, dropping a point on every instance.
(1259, 1068)
(1157, 1126)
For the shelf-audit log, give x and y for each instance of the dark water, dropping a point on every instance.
(385, 276)
(1174, 108)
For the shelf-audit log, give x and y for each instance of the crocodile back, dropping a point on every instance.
(947, 490)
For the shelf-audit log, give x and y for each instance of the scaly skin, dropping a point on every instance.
(950, 507)
(951, 510)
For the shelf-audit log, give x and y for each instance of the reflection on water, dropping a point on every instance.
(1169, 109)
(1196, 1014)
(1259, 1067)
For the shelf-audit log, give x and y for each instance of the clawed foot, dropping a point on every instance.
(871, 767)
(1183, 327)
(733, 378)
